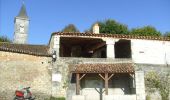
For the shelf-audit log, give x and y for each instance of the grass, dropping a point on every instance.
(58, 98)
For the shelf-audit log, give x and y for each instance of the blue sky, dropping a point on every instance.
(47, 16)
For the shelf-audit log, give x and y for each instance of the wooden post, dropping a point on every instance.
(77, 84)
(106, 83)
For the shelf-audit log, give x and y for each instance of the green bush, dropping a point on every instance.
(58, 98)
(148, 97)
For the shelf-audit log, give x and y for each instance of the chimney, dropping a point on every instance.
(96, 28)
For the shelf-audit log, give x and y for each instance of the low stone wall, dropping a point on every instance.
(21, 70)
(120, 97)
(108, 97)
(151, 67)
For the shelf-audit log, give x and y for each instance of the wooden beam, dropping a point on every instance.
(77, 84)
(101, 76)
(110, 76)
(96, 46)
(82, 76)
(132, 75)
(106, 83)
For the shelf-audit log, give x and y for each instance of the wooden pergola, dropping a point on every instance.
(105, 71)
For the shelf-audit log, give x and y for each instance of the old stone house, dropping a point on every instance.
(107, 66)
(80, 66)
(85, 65)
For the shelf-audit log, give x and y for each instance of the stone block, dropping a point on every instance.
(78, 97)
(120, 97)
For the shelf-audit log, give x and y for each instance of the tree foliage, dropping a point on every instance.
(145, 31)
(167, 34)
(110, 26)
(160, 82)
(70, 28)
(4, 39)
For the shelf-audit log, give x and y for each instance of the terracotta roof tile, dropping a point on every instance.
(122, 36)
(38, 50)
(103, 68)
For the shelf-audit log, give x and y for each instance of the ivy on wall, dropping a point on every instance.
(158, 82)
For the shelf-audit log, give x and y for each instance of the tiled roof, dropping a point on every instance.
(121, 36)
(104, 68)
(38, 50)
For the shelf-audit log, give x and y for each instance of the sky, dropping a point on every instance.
(47, 16)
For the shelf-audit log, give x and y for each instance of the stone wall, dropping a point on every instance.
(159, 69)
(67, 89)
(61, 65)
(22, 70)
(26, 70)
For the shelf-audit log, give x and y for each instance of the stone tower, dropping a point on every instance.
(21, 26)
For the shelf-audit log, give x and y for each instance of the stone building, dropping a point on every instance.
(81, 66)
(107, 66)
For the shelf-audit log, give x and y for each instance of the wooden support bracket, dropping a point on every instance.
(82, 76)
(101, 76)
(110, 76)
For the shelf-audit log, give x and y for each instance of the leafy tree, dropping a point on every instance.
(110, 26)
(167, 34)
(70, 28)
(160, 82)
(4, 39)
(145, 31)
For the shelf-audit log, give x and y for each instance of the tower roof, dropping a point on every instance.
(22, 13)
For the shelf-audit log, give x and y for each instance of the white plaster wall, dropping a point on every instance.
(110, 48)
(56, 45)
(167, 54)
(140, 85)
(148, 51)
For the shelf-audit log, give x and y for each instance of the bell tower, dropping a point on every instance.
(21, 27)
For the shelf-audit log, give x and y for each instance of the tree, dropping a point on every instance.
(167, 34)
(4, 39)
(145, 31)
(160, 82)
(70, 28)
(110, 26)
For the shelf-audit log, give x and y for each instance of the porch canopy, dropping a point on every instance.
(105, 71)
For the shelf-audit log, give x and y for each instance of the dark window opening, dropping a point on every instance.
(82, 47)
(123, 49)
(103, 54)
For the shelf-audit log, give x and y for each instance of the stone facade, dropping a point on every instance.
(22, 70)
(53, 78)
(21, 31)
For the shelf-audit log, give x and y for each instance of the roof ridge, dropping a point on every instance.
(23, 44)
(123, 36)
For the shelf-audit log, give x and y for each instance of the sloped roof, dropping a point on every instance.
(120, 36)
(104, 68)
(38, 50)
(22, 13)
